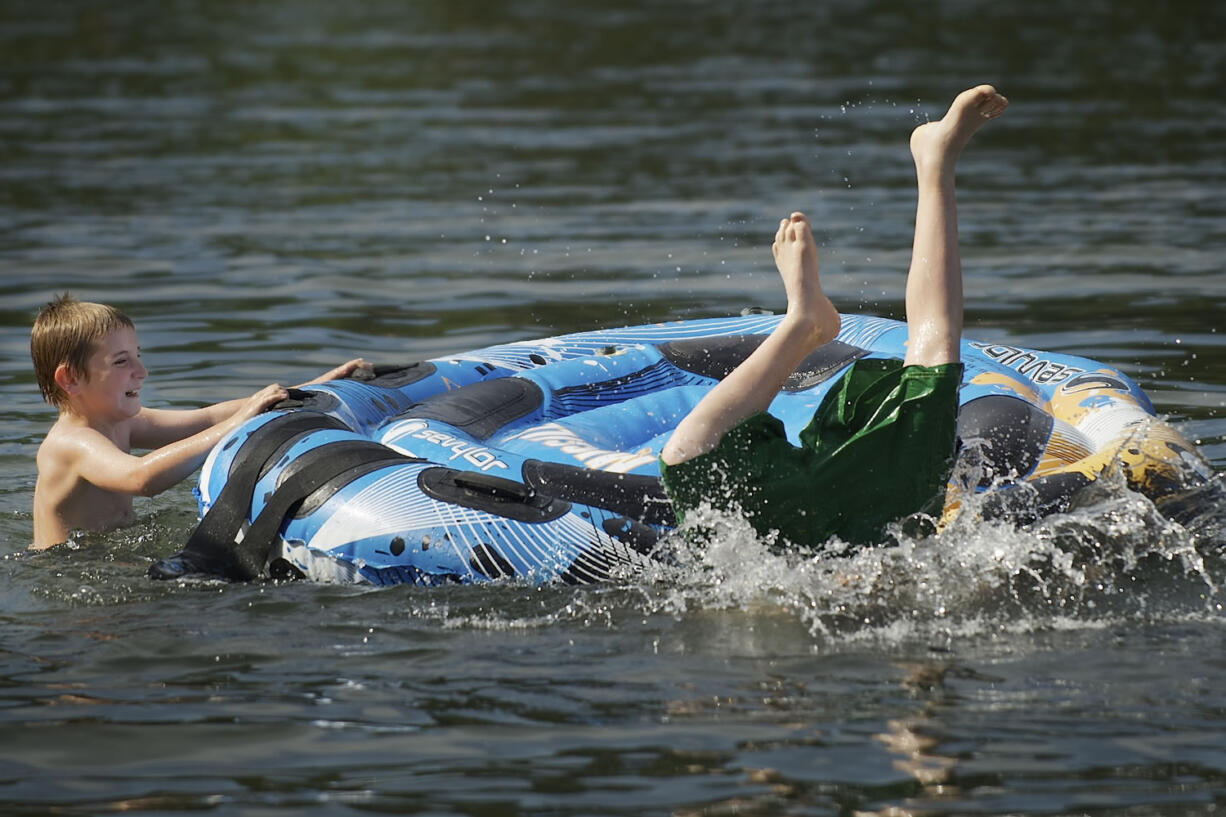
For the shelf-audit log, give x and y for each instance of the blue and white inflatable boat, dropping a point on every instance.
(537, 460)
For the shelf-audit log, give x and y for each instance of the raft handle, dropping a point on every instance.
(494, 495)
(495, 486)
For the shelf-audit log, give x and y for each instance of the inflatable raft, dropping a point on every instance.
(537, 460)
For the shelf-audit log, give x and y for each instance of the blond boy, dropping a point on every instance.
(89, 367)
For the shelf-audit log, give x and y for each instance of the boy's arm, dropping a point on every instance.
(154, 428)
(100, 462)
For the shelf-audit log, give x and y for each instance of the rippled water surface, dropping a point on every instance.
(268, 188)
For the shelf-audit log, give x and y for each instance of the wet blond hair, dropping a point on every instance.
(64, 333)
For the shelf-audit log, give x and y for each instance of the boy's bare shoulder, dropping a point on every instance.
(66, 442)
(58, 441)
(58, 454)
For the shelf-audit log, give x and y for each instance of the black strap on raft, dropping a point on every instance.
(394, 375)
(483, 492)
(318, 401)
(211, 548)
(329, 466)
(210, 542)
(384, 376)
(633, 495)
(252, 461)
(480, 409)
(716, 357)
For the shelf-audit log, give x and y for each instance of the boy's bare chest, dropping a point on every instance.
(91, 508)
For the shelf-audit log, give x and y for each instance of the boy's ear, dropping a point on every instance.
(65, 378)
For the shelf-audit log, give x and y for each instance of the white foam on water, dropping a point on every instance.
(1112, 557)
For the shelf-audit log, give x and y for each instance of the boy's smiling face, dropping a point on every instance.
(109, 389)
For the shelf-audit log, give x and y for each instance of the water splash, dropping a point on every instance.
(1112, 556)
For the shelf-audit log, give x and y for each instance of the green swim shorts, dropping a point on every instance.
(879, 447)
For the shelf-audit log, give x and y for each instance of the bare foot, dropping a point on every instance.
(937, 145)
(796, 258)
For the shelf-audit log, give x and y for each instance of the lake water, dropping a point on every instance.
(269, 188)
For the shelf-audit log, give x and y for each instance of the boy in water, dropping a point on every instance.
(88, 366)
(879, 447)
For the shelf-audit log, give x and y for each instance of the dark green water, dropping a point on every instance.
(268, 188)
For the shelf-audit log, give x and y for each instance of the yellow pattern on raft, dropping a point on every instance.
(1097, 427)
